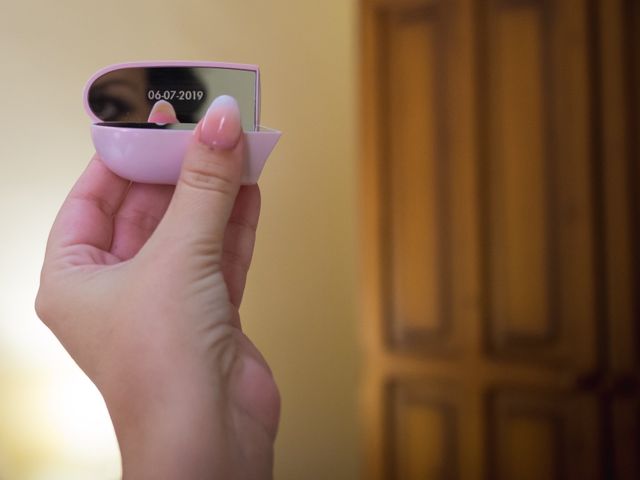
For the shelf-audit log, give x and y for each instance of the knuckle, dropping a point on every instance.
(44, 305)
(222, 346)
(231, 259)
(243, 226)
(139, 218)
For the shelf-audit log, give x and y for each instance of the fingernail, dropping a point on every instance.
(162, 113)
(221, 126)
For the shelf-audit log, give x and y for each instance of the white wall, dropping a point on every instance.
(300, 303)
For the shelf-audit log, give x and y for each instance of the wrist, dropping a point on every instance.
(176, 429)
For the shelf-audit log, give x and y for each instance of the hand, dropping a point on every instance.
(142, 285)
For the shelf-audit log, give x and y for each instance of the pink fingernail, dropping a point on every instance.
(162, 113)
(221, 126)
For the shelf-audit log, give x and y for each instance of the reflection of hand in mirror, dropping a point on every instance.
(142, 284)
(163, 113)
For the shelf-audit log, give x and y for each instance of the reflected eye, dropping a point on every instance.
(109, 108)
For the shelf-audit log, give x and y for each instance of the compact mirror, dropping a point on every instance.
(128, 94)
(119, 99)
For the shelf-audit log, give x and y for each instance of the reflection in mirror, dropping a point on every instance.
(128, 94)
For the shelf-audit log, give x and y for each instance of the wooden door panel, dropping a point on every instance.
(416, 179)
(517, 180)
(618, 22)
(423, 430)
(536, 434)
(539, 278)
(427, 177)
(625, 414)
(417, 263)
(617, 169)
(632, 41)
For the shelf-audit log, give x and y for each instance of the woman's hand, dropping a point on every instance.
(142, 284)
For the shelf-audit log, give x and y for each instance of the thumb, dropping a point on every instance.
(210, 178)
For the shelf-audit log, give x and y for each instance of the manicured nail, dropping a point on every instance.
(221, 126)
(162, 113)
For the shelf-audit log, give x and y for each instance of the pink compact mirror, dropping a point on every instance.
(119, 99)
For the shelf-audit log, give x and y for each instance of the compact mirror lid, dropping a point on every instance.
(126, 93)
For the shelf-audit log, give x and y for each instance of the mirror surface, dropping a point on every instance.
(128, 94)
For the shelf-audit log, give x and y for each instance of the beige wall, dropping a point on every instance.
(300, 302)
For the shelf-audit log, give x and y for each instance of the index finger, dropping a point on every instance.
(86, 216)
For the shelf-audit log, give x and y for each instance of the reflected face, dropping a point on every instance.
(128, 94)
(120, 96)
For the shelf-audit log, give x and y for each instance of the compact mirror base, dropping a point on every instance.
(155, 156)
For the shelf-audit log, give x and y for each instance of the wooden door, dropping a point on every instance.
(500, 179)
